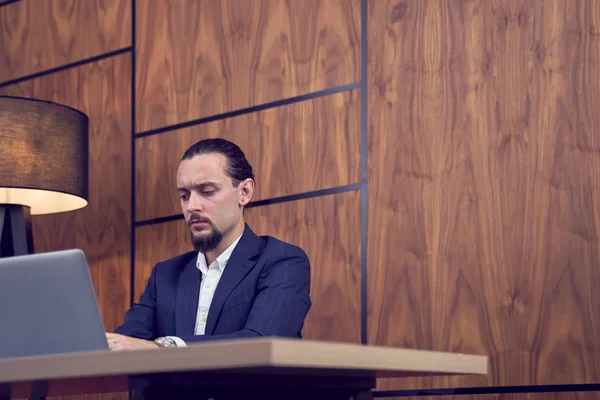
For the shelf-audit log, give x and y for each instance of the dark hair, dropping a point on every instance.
(238, 168)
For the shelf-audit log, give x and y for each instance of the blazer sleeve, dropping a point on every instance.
(140, 320)
(282, 303)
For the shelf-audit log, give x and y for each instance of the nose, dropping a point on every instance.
(195, 203)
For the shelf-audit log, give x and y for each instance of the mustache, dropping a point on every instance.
(198, 218)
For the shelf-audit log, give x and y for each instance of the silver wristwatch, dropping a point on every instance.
(165, 342)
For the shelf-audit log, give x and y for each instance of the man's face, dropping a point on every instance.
(211, 205)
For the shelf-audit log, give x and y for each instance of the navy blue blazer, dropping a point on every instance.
(264, 291)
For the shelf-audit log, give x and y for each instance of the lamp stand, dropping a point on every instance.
(16, 236)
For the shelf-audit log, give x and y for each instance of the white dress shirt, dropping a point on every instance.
(208, 284)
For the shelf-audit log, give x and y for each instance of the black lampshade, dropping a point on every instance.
(43, 155)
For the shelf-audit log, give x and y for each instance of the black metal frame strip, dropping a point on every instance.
(67, 66)
(248, 110)
(7, 2)
(265, 202)
(364, 210)
(592, 387)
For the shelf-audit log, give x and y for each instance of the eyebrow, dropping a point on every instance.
(198, 186)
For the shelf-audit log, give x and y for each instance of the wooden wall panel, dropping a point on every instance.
(507, 396)
(301, 147)
(155, 243)
(41, 35)
(205, 57)
(102, 229)
(325, 227)
(484, 185)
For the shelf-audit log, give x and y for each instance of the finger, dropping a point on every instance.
(113, 342)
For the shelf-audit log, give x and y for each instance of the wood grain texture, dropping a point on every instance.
(204, 57)
(301, 147)
(508, 396)
(484, 185)
(155, 243)
(40, 35)
(102, 229)
(326, 227)
(267, 358)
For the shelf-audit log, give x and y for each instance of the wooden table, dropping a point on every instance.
(265, 367)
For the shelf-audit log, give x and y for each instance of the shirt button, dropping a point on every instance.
(209, 285)
(204, 319)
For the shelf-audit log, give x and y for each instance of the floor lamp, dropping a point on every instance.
(43, 166)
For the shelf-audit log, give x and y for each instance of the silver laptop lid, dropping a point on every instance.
(48, 305)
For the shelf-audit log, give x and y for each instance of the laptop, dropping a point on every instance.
(48, 305)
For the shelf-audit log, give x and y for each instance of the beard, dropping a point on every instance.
(206, 242)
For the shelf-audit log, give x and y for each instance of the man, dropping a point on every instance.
(235, 284)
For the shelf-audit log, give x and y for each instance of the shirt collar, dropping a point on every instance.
(221, 260)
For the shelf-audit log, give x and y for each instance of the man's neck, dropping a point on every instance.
(227, 240)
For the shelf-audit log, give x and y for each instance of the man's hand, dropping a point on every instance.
(118, 342)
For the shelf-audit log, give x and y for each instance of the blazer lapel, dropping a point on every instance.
(239, 264)
(188, 290)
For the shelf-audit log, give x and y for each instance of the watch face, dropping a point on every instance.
(166, 342)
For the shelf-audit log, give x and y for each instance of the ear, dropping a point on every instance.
(246, 191)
